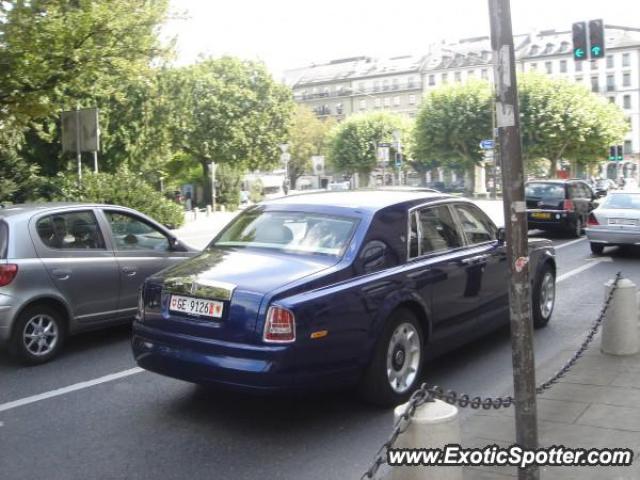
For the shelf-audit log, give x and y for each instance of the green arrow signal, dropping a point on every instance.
(595, 50)
(579, 53)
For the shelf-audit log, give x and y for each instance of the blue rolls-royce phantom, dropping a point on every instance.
(329, 289)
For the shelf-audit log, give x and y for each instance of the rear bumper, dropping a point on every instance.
(608, 236)
(235, 366)
(558, 220)
(7, 315)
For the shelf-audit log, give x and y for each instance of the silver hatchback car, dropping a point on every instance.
(66, 268)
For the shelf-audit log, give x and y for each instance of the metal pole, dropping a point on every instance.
(95, 162)
(508, 123)
(78, 153)
(212, 166)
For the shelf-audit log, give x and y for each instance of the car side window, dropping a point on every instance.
(437, 230)
(130, 233)
(71, 231)
(413, 236)
(476, 226)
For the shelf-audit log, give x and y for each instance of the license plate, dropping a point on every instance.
(196, 306)
(623, 221)
(542, 215)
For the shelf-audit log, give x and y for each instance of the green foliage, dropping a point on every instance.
(228, 111)
(19, 181)
(450, 125)
(308, 135)
(228, 190)
(352, 142)
(255, 191)
(121, 188)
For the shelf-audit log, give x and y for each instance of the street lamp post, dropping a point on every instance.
(285, 157)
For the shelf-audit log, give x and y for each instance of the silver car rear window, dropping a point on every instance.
(4, 239)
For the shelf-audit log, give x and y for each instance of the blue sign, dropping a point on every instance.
(486, 144)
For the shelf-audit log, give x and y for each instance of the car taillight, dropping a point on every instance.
(280, 326)
(592, 220)
(8, 272)
(568, 205)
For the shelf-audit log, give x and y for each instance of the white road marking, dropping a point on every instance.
(586, 266)
(71, 388)
(566, 244)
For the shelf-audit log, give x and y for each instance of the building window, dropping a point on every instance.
(412, 99)
(444, 78)
(627, 148)
(548, 66)
(612, 99)
(594, 64)
(457, 77)
(595, 86)
(626, 60)
(376, 85)
(626, 101)
(563, 66)
(396, 101)
(611, 84)
(626, 79)
(411, 82)
(385, 85)
(578, 79)
(387, 101)
(395, 84)
(363, 104)
(361, 86)
(339, 109)
(578, 66)
(325, 92)
(377, 103)
(610, 63)
(432, 80)
(533, 66)
(471, 73)
(564, 46)
(534, 50)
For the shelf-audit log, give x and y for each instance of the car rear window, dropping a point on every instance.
(622, 200)
(302, 232)
(4, 239)
(544, 191)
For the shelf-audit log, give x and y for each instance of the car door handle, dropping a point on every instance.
(129, 271)
(475, 260)
(61, 273)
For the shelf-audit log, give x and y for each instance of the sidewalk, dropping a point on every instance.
(596, 405)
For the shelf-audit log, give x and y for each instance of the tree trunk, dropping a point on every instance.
(206, 182)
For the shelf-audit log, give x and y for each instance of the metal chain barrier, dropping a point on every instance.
(428, 393)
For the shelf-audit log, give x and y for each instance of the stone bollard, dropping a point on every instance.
(434, 425)
(208, 210)
(620, 334)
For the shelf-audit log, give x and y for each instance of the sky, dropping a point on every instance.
(285, 34)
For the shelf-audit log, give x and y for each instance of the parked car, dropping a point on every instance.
(559, 205)
(615, 222)
(603, 186)
(334, 289)
(65, 268)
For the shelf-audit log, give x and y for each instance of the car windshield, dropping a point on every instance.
(547, 191)
(622, 200)
(289, 231)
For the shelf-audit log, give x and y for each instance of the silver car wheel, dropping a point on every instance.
(40, 335)
(403, 357)
(547, 294)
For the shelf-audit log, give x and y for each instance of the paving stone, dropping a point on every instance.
(627, 379)
(607, 416)
(624, 397)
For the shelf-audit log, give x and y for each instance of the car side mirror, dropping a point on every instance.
(373, 256)
(501, 235)
(175, 245)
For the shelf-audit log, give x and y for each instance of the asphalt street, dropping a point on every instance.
(142, 425)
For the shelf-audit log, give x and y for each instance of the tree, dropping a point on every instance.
(227, 111)
(308, 135)
(564, 120)
(53, 52)
(352, 146)
(450, 125)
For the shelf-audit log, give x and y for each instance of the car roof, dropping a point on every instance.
(366, 200)
(28, 209)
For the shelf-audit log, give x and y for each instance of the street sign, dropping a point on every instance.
(383, 153)
(318, 164)
(487, 144)
(80, 130)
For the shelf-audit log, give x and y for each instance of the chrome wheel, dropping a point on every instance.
(40, 335)
(403, 357)
(547, 294)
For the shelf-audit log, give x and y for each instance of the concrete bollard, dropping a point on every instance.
(434, 425)
(620, 334)
(208, 210)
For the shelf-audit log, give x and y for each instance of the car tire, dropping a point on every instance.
(392, 364)
(38, 335)
(543, 296)
(596, 248)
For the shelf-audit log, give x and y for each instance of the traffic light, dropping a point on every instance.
(596, 38)
(580, 51)
(616, 153)
(620, 155)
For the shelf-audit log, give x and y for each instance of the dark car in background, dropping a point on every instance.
(561, 205)
(334, 289)
(66, 268)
